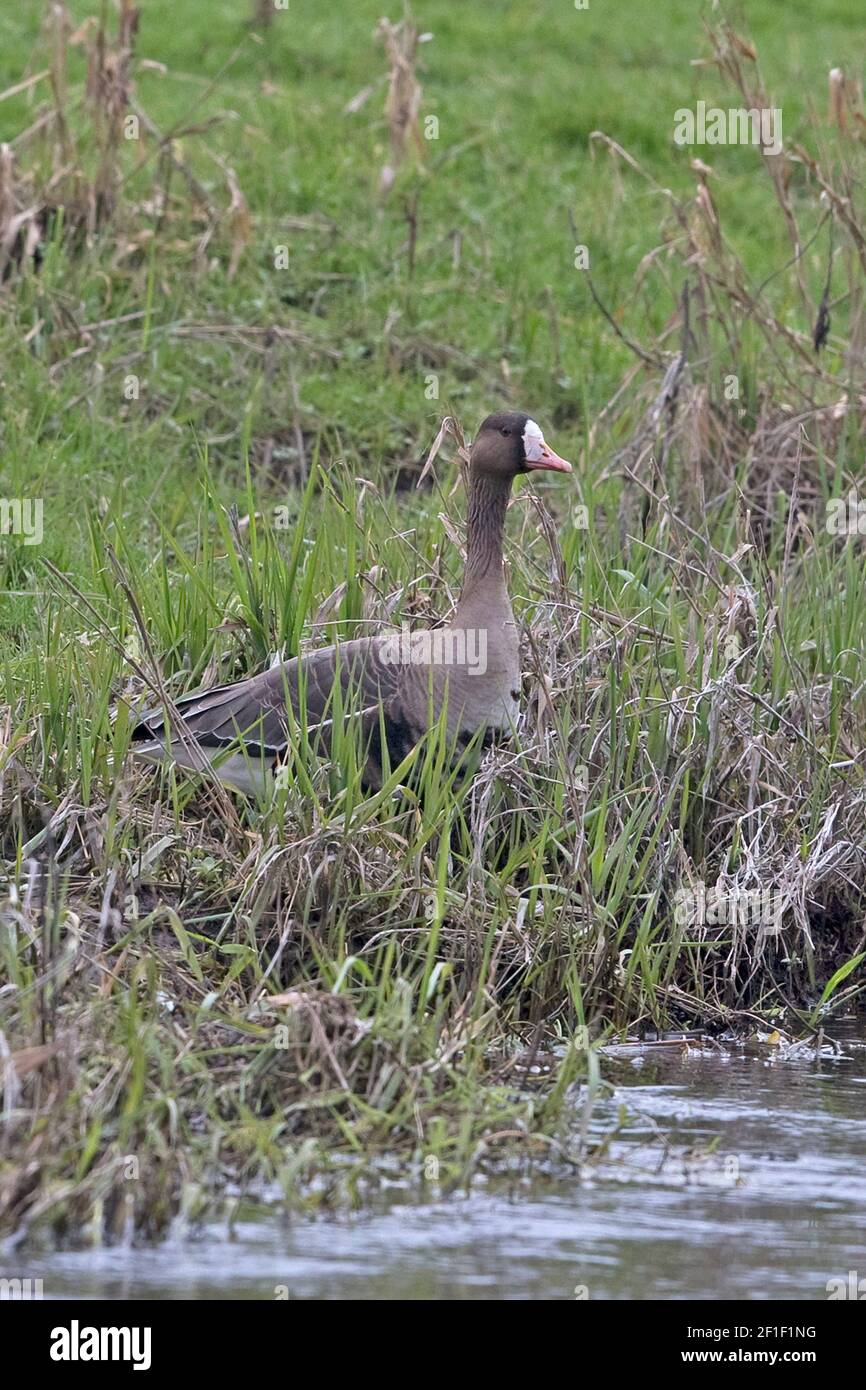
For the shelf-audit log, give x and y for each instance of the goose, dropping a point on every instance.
(394, 683)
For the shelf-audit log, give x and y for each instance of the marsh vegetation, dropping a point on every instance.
(247, 269)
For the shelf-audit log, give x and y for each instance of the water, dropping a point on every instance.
(774, 1211)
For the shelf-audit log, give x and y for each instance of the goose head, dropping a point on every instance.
(509, 443)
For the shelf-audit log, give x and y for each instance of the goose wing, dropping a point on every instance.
(254, 711)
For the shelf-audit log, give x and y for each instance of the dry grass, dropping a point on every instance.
(92, 165)
(403, 99)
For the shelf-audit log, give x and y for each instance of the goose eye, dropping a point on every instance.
(506, 432)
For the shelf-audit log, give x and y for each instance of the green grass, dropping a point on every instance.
(240, 993)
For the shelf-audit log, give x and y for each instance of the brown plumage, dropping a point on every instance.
(392, 682)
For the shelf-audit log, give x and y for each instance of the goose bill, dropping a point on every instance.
(548, 459)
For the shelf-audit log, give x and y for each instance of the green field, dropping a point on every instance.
(221, 373)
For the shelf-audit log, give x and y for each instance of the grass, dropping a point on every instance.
(201, 994)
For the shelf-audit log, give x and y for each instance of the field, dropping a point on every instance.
(238, 297)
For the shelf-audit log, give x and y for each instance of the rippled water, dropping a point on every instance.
(774, 1211)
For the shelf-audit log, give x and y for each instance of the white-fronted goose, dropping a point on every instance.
(392, 682)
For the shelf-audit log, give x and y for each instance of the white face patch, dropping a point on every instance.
(533, 442)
